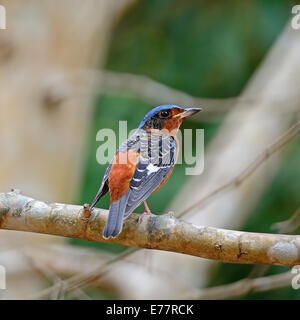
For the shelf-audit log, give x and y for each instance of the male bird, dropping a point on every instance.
(142, 164)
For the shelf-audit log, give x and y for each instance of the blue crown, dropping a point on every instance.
(155, 111)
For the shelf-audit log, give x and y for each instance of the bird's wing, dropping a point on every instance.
(151, 170)
(132, 142)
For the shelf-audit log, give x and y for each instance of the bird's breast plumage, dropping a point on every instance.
(141, 165)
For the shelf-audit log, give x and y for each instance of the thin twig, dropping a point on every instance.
(85, 278)
(253, 166)
(243, 287)
(290, 225)
(70, 260)
(154, 92)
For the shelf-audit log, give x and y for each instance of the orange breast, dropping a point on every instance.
(173, 125)
(121, 173)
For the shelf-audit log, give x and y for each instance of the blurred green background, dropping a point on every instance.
(207, 49)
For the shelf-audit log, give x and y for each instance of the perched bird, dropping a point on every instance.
(142, 164)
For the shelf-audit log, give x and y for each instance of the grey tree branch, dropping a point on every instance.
(154, 92)
(165, 232)
(243, 287)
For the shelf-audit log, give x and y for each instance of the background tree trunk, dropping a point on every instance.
(43, 120)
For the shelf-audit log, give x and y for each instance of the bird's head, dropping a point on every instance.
(168, 117)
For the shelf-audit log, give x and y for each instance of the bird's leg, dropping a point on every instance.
(146, 212)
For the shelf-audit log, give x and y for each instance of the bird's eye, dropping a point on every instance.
(164, 114)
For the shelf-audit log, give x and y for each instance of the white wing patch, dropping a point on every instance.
(151, 169)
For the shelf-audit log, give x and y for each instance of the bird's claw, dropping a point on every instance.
(142, 216)
(171, 214)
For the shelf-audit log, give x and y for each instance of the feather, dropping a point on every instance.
(103, 188)
(113, 224)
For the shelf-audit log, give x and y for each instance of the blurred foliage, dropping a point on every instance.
(205, 48)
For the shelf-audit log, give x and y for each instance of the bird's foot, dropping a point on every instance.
(146, 213)
(171, 214)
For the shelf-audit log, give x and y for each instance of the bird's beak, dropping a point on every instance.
(188, 112)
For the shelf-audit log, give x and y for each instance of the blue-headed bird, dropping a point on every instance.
(142, 164)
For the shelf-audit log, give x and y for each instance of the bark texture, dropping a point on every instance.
(18, 212)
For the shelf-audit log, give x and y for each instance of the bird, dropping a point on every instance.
(141, 165)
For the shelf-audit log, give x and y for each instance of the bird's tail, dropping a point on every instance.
(114, 222)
